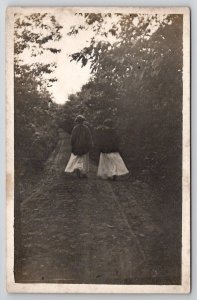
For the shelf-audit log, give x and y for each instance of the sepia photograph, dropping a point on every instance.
(98, 149)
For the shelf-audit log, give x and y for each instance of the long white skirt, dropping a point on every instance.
(111, 164)
(78, 163)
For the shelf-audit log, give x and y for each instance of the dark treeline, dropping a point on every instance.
(35, 124)
(137, 81)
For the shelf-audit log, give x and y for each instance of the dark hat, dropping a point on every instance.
(108, 123)
(79, 119)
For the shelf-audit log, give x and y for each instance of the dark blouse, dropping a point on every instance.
(81, 140)
(107, 140)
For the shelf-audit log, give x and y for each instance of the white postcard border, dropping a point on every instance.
(13, 287)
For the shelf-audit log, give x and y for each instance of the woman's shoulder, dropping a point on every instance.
(111, 130)
(100, 128)
(75, 128)
(85, 127)
(106, 129)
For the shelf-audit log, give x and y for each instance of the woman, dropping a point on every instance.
(81, 143)
(111, 164)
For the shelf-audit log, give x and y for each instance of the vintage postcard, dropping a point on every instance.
(98, 149)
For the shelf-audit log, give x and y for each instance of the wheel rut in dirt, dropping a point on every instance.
(78, 231)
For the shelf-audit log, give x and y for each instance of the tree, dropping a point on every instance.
(34, 31)
(137, 80)
(35, 126)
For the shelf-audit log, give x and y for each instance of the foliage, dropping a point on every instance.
(34, 31)
(35, 125)
(35, 128)
(137, 81)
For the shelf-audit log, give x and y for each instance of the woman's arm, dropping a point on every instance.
(73, 136)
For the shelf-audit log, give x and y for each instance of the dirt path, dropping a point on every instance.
(88, 230)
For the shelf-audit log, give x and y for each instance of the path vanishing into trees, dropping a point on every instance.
(91, 230)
